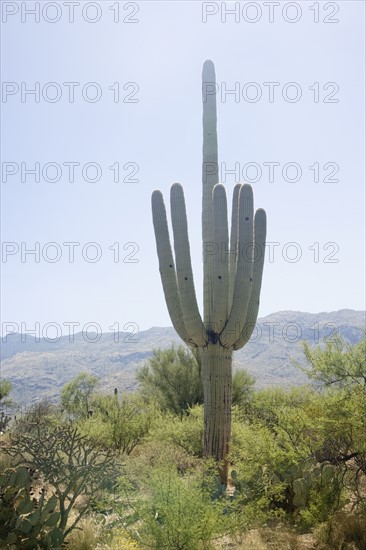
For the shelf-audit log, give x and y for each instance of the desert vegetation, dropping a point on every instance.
(128, 470)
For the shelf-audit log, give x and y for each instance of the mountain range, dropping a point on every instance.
(39, 369)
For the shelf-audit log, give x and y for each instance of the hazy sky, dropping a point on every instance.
(118, 84)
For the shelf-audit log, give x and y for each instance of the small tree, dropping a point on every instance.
(44, 412)
(172, 377)
(338, 364)
(76, 395)
(118, 423)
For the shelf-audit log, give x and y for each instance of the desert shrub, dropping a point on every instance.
(77, 395)
(320, 496)
(44, 413)
(185, 432)
(276, 471)
(278, 537)
(257, 460)
(118, 423)
(5, 389)
(172, 377)
(175, 512)
(267, 405)
(119, 539)
(153, 454)
(318, 449)
(88, 535)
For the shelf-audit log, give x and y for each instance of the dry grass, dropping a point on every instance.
(86, 537)
(92, 535)
(346, 532)
(277, 538)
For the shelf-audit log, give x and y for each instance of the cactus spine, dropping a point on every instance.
(232, 272)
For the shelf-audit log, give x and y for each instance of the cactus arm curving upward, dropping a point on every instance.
(234, 243)
(260, 227)
(244, 270)
(167, 267)
(191, 315)
(221, 263)
(210, 177)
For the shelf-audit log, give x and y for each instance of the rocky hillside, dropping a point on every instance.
(40, 369)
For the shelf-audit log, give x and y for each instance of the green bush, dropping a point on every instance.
(5, 389)
(301, 452)
(77, 395)
(179, 512)
(153, 454)
(185, 432)
(118, 423)
(257, 460)
(172, 378)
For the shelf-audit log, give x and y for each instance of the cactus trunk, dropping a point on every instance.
(232, 276)
(216, 365)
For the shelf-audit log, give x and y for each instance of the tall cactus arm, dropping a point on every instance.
(244, 269)
(234, 243)
(167, 267)
(191, 315)
(260, 228)
(210, 177)
(221, 259)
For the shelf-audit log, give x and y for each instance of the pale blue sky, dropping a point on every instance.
(163, 53)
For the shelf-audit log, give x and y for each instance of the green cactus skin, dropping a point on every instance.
(27, 521)
(232, 277)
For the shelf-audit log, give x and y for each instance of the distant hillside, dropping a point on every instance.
(40, 369)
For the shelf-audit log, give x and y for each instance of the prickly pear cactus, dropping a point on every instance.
(301, 488)
(27, 519)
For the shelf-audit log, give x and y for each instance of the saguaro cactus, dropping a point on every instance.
(232, 269)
